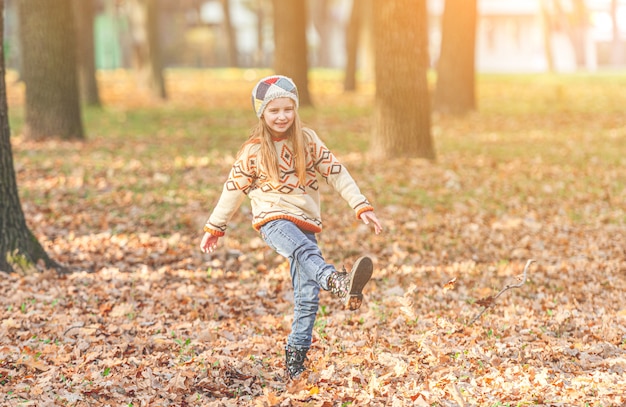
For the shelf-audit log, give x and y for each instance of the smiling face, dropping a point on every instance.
(279, 115)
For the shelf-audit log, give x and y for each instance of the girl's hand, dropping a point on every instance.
(208, 243)
(370, 216)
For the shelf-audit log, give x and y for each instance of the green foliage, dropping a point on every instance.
(20, 262)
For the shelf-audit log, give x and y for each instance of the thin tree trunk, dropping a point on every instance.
(546, 21)
(154, 46)
(320, 17)
(84, 15)
(352, 45)
(366, 49)
(579, 34)
(617, 45)
(259, 56)
(572, 25)
(146, 51)
(230, 35)
(291, 50)
(402, 121)
(19, 249)
(456, 83)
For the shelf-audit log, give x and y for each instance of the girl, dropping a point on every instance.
(276, 168)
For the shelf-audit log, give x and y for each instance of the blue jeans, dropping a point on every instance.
(309, 273)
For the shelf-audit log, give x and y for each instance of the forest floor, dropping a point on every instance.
(146, 319)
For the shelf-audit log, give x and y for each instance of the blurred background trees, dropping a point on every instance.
(461, 38)
(220, 33)
(59, 46)
(151, 36)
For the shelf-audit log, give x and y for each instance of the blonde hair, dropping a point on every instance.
(268, 161)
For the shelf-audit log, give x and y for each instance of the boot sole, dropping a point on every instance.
(362, 272)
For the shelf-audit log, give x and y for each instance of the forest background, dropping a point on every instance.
(144, 318)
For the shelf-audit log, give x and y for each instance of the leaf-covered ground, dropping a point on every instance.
(145, 319)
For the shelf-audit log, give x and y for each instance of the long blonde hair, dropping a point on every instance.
(268, 158)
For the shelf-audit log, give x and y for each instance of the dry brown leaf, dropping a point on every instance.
(449, 285)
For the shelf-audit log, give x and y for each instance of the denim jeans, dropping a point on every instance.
(309, 273)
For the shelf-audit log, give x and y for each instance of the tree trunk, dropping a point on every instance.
(145, 49)
(321, 19)
(19, 249)
(157, 80)
(230, 35)
(579, 32)
(352, 45)
(49, 69)
(84, 15)
(367, 58)
(402, 121)
(455, 92)
(259, 55)
(573, 25)
(291, 50)
(547, 23)
(617, 45)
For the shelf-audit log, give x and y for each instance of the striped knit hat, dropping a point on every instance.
(270, 88)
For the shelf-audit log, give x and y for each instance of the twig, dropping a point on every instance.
(80, 327)
(456, 394)
(489, 302)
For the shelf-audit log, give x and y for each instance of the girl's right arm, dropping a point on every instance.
(239, 183)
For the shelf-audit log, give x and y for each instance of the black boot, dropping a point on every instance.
(295, 359)
(349, 287)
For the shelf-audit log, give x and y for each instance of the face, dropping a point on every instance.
(279, 115)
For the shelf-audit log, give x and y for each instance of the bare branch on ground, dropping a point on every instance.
(490, 301)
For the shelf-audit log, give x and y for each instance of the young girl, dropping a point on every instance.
(276, 168)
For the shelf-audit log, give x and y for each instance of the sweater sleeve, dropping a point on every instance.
(239, 183)
(335, 174)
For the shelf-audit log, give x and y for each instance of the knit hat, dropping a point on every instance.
(270, 88)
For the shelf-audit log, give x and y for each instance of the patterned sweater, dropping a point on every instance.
(288, 199)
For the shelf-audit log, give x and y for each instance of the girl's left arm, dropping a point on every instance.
(370, 217)
(340, 179)
(208, 243)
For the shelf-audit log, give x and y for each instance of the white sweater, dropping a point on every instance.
(288, 199)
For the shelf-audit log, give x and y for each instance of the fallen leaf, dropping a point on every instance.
(449, 285)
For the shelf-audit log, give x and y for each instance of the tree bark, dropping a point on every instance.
(573, 24)
(291, 50)
(367, 59)
(352, 45)
(19, 249)
(49, 69)
(320, 18)
(402, 117)
(84, 15)
(618, 54)
(145, 49)
(259, 55)
(455, 91)
(580, 23)
(231, 35)
(547, 24)
(157, 79)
